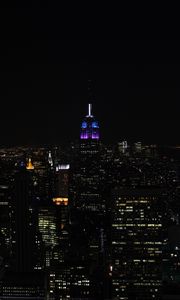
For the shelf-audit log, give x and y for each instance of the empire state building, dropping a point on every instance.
(89, 205)
(88, 211)
(89, 194)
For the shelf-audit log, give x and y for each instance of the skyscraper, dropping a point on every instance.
(137, 237)
(23, 222)
(59, 274)
(88, 168)
(89, 207)
(5, 220)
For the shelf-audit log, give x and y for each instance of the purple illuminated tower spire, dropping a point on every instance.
(89, 127)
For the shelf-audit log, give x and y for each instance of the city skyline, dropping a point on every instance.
(90, 221)
(89, 162)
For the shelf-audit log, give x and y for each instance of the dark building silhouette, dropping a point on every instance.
(58, 271)
(27, 252)
(24, 222)
(88, 212)
(23, 286)
(5, 232)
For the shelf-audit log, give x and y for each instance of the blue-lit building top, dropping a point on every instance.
(89, 127)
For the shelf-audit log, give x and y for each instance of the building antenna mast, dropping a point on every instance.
(89, 110)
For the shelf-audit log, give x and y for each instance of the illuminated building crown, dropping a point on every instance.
(89, 126)
(29, 165)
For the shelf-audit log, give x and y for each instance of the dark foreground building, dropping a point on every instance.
(137, 243)
(23, 286)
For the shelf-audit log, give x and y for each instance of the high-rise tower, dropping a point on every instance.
(88, 214)
(23, 222)
(89, 166)
(136, 237)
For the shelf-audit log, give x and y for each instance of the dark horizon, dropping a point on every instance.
(44, 86)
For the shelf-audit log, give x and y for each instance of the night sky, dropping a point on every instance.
(44, 84)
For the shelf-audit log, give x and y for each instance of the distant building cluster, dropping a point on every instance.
(89, 221)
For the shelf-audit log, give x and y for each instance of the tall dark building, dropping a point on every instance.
(5, 232)
(88, 210)
(59, 273)
(88, 168)
(23, 222)
(23, 286)
(137, 243)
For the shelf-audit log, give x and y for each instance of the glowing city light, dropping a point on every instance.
(60, 201)
(29, 165)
